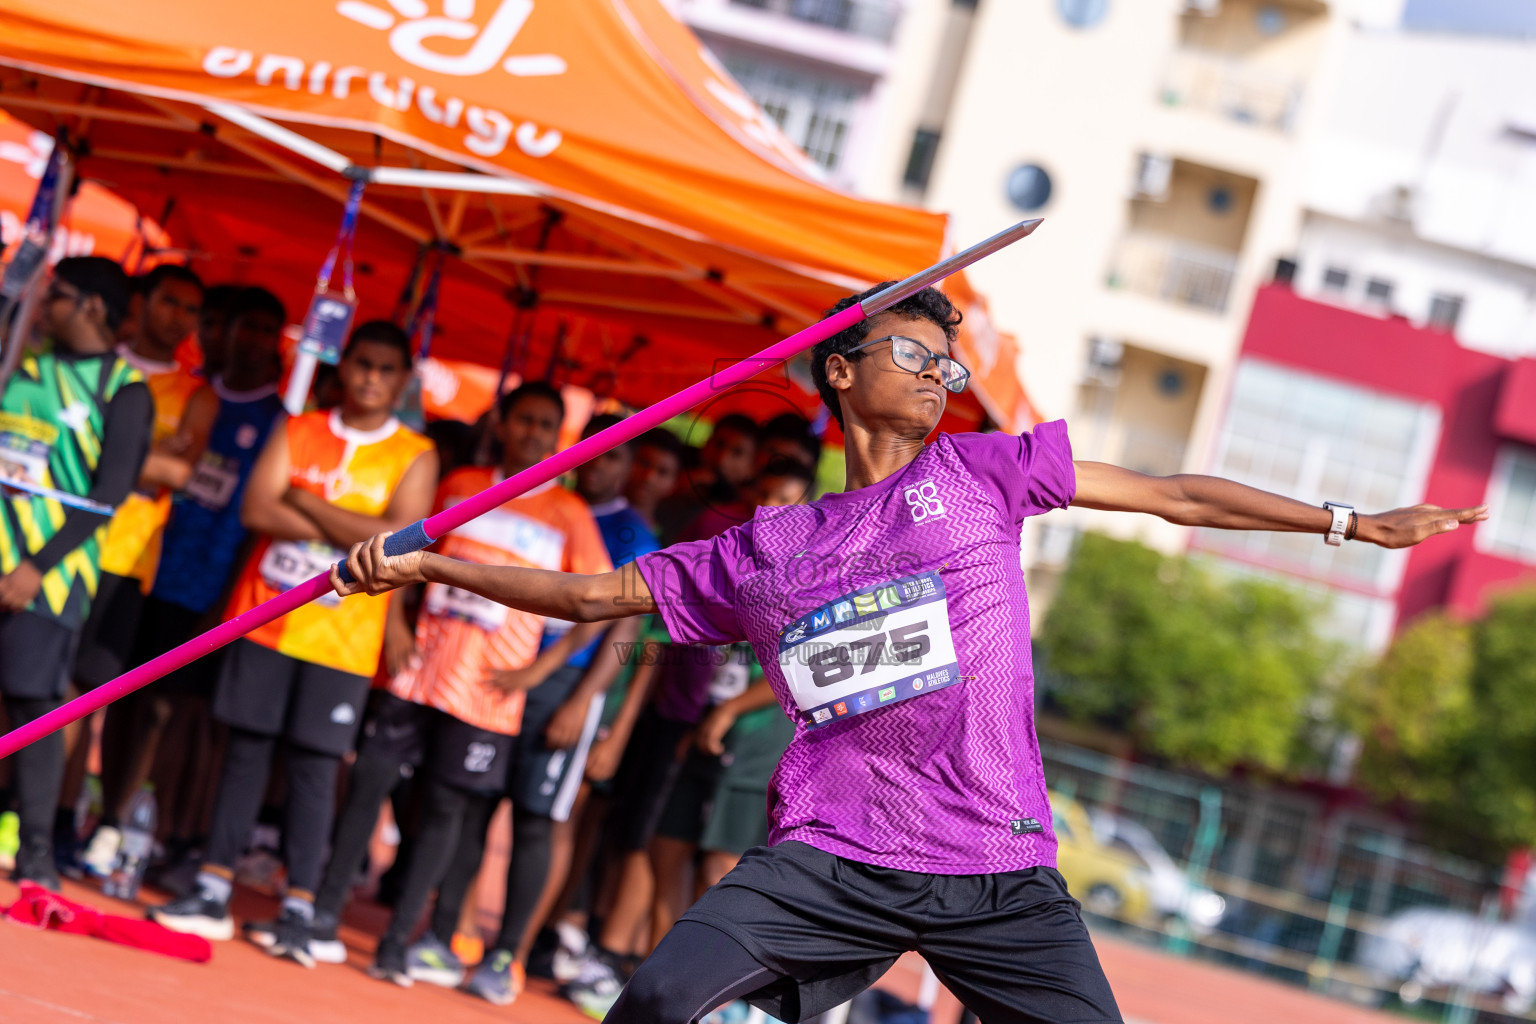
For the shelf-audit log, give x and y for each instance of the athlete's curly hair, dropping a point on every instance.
(929, 304)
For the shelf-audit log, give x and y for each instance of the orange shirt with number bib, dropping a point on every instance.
(352, 469)
(461, 637)
(132, 544)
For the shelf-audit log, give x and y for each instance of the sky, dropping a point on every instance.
(1495, 17)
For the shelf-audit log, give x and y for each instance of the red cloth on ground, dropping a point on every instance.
(39, 908)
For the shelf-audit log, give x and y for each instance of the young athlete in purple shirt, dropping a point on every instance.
(910, 811)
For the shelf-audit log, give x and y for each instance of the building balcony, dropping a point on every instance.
(1232, 88)
(871, 19)
(1142, 449)
(1174, 270)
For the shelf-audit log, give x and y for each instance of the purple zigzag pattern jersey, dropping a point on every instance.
(894, 626)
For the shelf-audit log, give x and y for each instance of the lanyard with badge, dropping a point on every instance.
(28, 258)
(879, 645)
(331, 310)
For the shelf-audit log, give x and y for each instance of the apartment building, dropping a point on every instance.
(1392, 361)
(822, 69)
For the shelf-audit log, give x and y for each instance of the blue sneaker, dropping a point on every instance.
(498, 980)
(431, 960)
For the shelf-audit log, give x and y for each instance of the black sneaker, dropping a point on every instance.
(323, 943)
(260, 933)
(541, 958)
(197, 914)
(389, 964)
(291, 940)
(34, 863)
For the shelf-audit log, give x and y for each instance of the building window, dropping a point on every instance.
(1270, 21)
(1444, 311)
(1335, 279)
(1082, 13)
(814, 111)
(925, 147)
(1511, 526)
(1318, 439)
(1379, 291)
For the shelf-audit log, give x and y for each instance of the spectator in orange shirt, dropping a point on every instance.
(456, 697)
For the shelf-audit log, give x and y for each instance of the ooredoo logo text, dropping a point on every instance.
(454, 42)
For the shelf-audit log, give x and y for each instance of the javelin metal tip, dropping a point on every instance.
(886, 298)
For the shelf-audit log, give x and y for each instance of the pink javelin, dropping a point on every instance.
(419, 535)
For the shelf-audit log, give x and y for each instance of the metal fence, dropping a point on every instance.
(1311, 891)
(1231, 87)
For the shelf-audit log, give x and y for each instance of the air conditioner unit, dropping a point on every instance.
(1154, 173)
(1397, 203)
(1104, 358)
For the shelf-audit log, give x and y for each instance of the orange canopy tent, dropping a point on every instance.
(606, 196)
(96, 222)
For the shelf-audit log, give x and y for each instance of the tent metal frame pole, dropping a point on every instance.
(87, 110)
(644, 306)
(711, 289)
(535, 258)
(285, 137)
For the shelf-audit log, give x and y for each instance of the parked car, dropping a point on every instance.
(1173, 894)
(1428, 948)
(1106, 881)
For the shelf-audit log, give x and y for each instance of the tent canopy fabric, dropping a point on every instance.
(631, 215)
(97, 223)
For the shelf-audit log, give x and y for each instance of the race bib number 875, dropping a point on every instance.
(877, 646)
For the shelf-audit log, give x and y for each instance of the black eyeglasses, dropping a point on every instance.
(56, 293)
(915, 357)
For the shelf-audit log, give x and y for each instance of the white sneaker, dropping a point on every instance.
(100, 856)
(570, 954)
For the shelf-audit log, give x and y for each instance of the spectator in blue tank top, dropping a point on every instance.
(200, 549)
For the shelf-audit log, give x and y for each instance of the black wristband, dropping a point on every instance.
(1354, 525)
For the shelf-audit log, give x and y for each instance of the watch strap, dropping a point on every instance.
(1339, 529)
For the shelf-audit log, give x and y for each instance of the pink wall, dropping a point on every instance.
(1468, 387)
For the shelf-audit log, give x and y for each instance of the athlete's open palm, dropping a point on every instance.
(374, 572)
(1405, 527)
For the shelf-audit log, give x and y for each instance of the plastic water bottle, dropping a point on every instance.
(138, 843)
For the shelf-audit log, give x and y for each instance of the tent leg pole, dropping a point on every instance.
(299, 382)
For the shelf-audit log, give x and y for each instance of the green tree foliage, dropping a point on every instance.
(1448, 723)
(1413, 711)
(1204, 671)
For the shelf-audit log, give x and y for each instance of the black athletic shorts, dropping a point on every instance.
(689, 805)
(271, 694)
(106, 641)
(1012, 947)
(164, 626)
(546, 780)
(36, 655)
(453, 751)
(644, 780)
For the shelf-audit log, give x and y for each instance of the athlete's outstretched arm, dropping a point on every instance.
(1192, 500)
(560, 595)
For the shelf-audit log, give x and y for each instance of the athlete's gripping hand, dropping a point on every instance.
(1405, 527)
(374, 572)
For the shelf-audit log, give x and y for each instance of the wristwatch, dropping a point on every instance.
(1339, 531)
